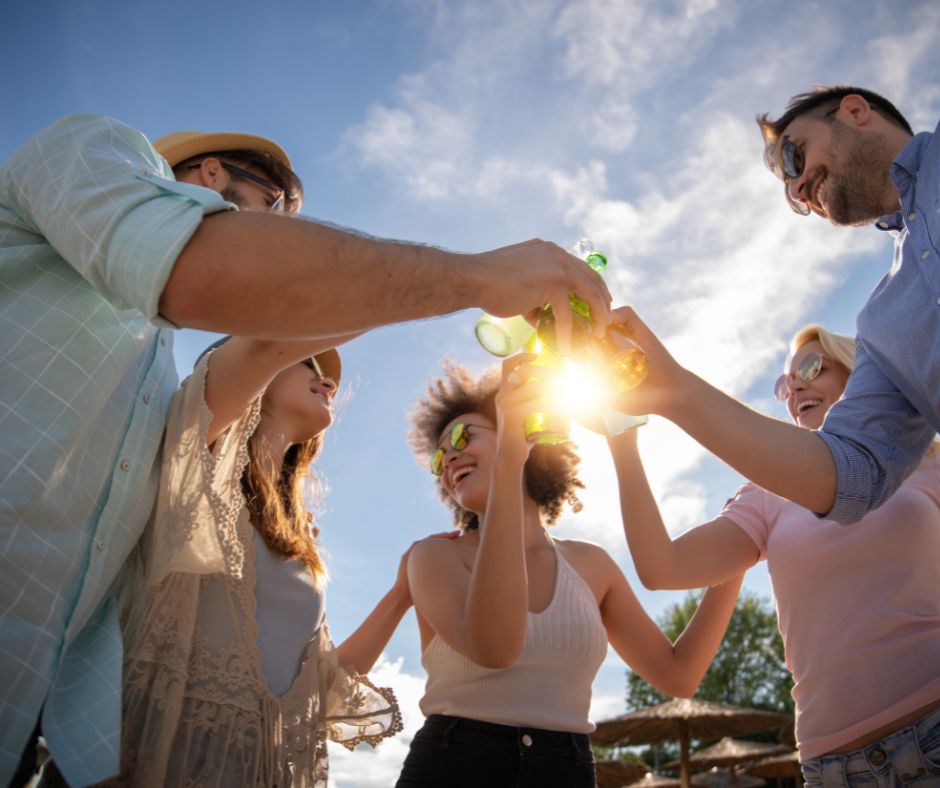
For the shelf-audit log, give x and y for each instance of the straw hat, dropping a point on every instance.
(182, 145)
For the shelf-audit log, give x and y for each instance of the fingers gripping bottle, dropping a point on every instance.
(581, 323)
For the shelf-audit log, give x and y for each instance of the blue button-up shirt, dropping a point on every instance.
(91, 223)
(890, 412)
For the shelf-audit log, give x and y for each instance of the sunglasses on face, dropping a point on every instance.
(273, 192)
(459, 439)
(809, 369)
(792, 164)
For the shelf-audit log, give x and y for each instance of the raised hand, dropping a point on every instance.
(521, 279)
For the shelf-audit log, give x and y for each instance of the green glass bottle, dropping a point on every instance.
(503, 336)
(548, 427)
(581, 323)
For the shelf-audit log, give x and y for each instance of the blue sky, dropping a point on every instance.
(473, 125)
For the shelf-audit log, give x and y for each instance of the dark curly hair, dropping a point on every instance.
(551, 472)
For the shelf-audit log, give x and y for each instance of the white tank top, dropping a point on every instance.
(549, 686)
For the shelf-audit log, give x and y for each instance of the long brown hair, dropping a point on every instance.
(276, 504)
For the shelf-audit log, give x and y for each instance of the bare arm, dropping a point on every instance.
(242, 368)
(483, 613)
(362, 648)
(674, 669)
(265, 275)
(789, 461)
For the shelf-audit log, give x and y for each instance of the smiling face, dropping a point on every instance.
(300, 402)
(846, 171)
(809, 401)
(465, 475)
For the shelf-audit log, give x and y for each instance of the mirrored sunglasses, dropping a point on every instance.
(459, 439)
(809, 368)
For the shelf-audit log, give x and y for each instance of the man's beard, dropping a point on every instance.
(856, 194)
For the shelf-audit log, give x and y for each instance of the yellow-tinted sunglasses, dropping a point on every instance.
(459, 440)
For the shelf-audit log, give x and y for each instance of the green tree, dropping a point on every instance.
(749, 669)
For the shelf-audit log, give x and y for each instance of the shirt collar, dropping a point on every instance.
(904, 170)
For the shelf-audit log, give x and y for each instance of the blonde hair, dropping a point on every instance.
(838, 347)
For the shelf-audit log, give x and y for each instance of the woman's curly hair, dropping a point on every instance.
(551, 472)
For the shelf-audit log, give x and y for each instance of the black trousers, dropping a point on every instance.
(455, 752)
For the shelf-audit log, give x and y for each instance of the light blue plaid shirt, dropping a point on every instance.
(890, 412)
(91, 223)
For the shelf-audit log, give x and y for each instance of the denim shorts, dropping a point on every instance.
(910, 756)
(456, 752)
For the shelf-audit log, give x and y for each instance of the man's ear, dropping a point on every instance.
(209, 173)
(855, 111)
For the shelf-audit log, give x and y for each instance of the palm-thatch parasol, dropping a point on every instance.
(614, 774)
(786, 765)
(731, 752)
(655, 781)
(723, 778)
(684, 719)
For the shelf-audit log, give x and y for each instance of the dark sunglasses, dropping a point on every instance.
(792, 165)
(460, 436)
(809, 369)
(274, 192)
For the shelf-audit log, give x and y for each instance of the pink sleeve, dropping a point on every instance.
(749, 511)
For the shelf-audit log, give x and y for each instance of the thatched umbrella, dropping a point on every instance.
(684, 719)
(614, 774)
(655, 781)
(723, 778)
(786, 765)
(731, 752)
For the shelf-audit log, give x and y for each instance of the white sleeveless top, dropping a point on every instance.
(549, 685)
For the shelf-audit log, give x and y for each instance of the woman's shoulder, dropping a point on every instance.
(585, 552)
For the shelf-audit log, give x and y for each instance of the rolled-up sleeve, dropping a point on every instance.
(102, 197)
(876, 437)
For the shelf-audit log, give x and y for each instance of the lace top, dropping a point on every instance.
(198, 710)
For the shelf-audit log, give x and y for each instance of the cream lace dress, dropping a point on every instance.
(198, 710)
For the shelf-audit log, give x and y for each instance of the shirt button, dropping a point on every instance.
(527, 740)
(883, 225)
(125, 465)
(925, 254)
(100, 544)
(162, 341)
(912, 216)
(146, 399)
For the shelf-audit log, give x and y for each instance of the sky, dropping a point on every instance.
(475, 125)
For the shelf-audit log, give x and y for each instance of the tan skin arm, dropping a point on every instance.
(482, 613)
(272, 276)
(676, 669)
(787, 460)
(706, 555)
(363, 647)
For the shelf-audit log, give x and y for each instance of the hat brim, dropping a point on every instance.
(176, 150)
(331, 364)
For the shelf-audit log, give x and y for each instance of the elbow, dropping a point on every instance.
(181, 298)
(496, 657)
(649, 580)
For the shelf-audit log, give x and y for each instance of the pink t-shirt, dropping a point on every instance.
(858, 606)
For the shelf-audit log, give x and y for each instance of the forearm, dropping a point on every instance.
(786, 460)
(362, 648)
(654, 553)
(695, 649)
(271, 276)
(497, 600)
